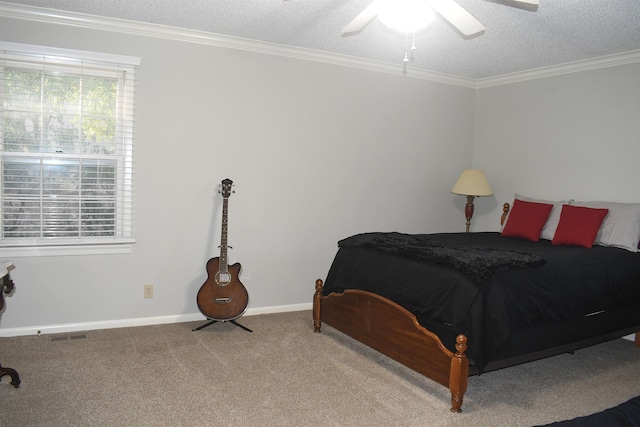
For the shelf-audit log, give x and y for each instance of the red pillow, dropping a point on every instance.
(578, 225)
(526, 219)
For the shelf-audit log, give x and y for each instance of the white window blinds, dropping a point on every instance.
(66, 162)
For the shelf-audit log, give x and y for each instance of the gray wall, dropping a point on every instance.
(570, 136)
(318, 152)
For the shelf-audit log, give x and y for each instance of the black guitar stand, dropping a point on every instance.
(216, 321)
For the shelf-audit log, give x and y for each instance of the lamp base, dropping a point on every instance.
(468, 211)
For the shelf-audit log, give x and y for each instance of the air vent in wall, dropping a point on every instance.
(68, 337)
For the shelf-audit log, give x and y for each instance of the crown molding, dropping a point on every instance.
(53, 16)
(614, 60)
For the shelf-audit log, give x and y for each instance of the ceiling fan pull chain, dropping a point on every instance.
(406, 44)
(413, 47)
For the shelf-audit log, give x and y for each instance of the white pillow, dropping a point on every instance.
(549, 229)
(621, 226)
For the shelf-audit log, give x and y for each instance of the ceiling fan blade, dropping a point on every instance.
(361, 21)
(457, 16)
(530, 5)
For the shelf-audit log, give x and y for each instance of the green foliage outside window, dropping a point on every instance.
(59, 172)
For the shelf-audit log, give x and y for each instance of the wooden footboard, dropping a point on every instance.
(392, 330)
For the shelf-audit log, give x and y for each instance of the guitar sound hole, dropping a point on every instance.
(223, 279)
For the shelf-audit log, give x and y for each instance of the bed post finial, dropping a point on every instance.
(505, 212)
(317, 323)
(459, 374)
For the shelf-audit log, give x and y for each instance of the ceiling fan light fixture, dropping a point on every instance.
(406, 16)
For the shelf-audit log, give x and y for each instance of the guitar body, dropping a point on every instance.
(222, 297)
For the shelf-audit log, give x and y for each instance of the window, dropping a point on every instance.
(66, 151)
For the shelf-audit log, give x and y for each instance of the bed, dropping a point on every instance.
(558, 277)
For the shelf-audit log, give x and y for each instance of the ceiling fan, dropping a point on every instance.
(458, 17)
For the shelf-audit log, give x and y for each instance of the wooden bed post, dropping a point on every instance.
(459, 374)
(317, 323)
(637, 339)
(505, 212)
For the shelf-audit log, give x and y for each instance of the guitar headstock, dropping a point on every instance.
(226, 187)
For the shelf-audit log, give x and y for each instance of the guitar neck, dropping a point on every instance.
(223, 265)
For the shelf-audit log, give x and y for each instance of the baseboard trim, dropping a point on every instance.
(146, 321)
(141, 321)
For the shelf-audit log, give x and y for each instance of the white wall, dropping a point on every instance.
(318, 152)
(570, 136)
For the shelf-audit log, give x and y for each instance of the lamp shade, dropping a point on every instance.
(472, 182)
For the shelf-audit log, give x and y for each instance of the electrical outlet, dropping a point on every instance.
(148, 291)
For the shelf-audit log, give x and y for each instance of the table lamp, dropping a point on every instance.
(472, 183)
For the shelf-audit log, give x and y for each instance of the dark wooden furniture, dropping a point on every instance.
(6, 287)
(392, 330)
(389, 328)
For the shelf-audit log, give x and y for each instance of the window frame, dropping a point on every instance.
(93, 63)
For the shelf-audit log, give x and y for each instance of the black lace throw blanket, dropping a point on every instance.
(477, 263)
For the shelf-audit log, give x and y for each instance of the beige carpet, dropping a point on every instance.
(283, 374)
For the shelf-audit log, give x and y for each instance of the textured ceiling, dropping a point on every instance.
(515, 40)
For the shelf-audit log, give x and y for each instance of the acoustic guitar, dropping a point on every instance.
(223, 297)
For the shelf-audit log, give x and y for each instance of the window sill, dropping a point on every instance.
(121, 247)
